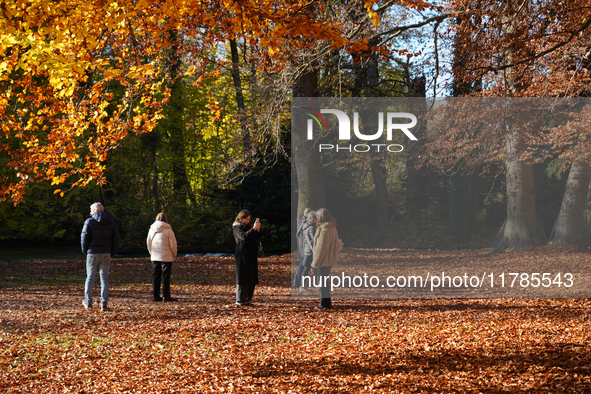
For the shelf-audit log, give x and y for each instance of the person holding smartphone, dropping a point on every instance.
(247, 270)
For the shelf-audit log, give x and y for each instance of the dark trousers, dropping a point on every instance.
(303, 268)
(325, 299)
(244, 293)
(161, 270)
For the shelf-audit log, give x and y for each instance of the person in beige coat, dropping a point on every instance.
(163, 249)
(326, 248)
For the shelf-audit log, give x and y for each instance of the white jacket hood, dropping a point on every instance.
(159, 226)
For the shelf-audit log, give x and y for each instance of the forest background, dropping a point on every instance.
(184, 107)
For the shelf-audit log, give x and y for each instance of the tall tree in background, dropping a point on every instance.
(569, 226)
(240, 95)
(310, 184)
(416, 178)
(366, 83)
(521, 227)
(173, 123)
(461, 199)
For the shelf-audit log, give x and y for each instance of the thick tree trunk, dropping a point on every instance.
(568, 228)
(521, 229)
(521, 202)
(305, 152)
(239, 96)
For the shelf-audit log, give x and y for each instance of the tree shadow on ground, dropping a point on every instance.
(561, 365)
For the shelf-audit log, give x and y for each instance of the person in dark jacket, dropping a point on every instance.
(308, 231)
(247, 271)
(100, 241)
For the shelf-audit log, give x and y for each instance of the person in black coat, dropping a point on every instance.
(100, 241)
(247, 271)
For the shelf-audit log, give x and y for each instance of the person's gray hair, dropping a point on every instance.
(311, 216)
(97, 207)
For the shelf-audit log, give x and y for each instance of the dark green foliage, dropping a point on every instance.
(44, 217)
(267, 195)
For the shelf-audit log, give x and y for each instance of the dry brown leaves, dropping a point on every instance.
(205, 344)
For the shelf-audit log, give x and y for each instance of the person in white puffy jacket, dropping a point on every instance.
(162, 247)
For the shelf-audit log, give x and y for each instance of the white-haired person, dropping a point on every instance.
(300, 239)
(308, 230)
(100, 241)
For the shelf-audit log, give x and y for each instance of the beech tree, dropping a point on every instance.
(60, 62)
(570, 139)
(518, 49)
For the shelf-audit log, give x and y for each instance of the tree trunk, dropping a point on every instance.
(367, 79)
(461, 196)
(176, 126)
(310, 183)
(239, 96)
(155, 194)
(379, 174)
(521, 229)
(379, 171)
(568, 228)
(521, 203)
(416, 179)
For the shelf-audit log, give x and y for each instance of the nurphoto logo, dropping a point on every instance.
(345, 130)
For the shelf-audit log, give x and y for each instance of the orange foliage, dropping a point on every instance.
(64, 65)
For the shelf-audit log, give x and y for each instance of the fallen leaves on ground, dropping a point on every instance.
(205, 344)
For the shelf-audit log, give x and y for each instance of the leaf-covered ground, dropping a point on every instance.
(204, 344)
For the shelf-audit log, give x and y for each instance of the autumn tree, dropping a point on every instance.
(60, 63)
(523, 49)
(55, 125)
